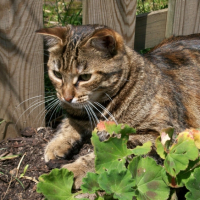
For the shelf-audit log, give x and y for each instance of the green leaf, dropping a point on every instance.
(110, 154)
(166, 137)
(180, 153)
(193, 185)
(142, 150)
(25, 169)
(105, 197)
(160, 148)
(99, 198)
(111, 127)
(108, 197)
(181, 179)
(90, 183)
(57, 185)
(1, 121)
(148, 182)
(117, 183)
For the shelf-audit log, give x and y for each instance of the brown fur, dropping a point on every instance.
(149, 93)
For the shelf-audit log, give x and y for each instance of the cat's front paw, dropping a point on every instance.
(80, 168)
(56, 148)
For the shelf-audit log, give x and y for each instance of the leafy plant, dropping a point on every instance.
(144, 6)
(24, 172)
(122, 177)
(60, 12)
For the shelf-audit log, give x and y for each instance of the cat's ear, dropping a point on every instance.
(54, 36)
(106, 40)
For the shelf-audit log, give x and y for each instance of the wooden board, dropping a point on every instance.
(150, 29)
(117, 14)
(186, 17)
(21, 61)
(170, 18)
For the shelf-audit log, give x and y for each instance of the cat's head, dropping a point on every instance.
(86, 63)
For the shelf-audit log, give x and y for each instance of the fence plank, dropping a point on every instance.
(186, 17)
(21, 61)
(150, 29)
(117, 14)
(170, 18)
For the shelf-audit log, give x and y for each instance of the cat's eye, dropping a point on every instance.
(85, 77)
(57, 74)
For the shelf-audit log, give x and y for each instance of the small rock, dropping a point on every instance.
(28, 132)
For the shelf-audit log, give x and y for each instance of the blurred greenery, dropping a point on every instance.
(145, 6)
(62, 12)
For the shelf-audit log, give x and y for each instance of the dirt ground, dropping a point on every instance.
(17, 153)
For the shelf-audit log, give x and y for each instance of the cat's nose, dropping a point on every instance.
(68, 98)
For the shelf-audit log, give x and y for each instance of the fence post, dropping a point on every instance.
(183, 17)
(21, 62)
(117, 14)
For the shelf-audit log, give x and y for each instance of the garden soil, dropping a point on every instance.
(17, 153)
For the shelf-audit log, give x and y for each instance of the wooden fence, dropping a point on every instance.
(146, 30)
(21, 64)
(21, 50)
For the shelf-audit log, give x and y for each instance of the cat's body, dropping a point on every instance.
(97, 70)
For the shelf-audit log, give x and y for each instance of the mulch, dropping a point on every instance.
(23, 151)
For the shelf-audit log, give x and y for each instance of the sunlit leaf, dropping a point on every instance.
(90, 183)
(148, 182)
(57, 185)
(117, 183)
(160, 148)
(142, 150)
(193, 185)
(110, 154)
(180, 153)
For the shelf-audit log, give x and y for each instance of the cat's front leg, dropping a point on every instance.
(67, 140)
(80, 168)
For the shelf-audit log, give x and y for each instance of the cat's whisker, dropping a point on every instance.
(88, 116)
(47, 110)
(43, 111)
(108, 96)
(98, 110)
(36, 107)
(55, 108)
(28, 100)
(36, 104)
(93, 119)
(97, 120)
(51, 106)
(45, 98)
(101, 106)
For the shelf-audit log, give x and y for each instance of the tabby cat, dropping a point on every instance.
(97, 77)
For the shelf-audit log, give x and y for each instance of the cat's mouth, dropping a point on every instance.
(75, 103)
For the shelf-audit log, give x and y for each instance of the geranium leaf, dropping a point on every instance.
(110, 154)
(118, 183)
(181, 179)
(196, 135)
(90, 183)
(148, 182)
(57, 185)
(180, 153)
(99, 198)
(160, 148)
(193, 185)
(166, 137)
(110, 127)
(142, 150)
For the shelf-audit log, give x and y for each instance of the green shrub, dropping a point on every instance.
(124, 176)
